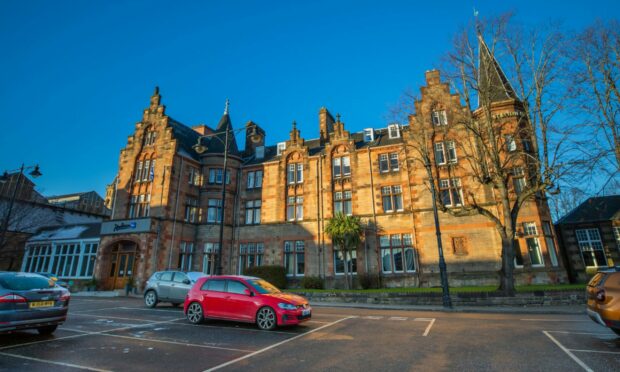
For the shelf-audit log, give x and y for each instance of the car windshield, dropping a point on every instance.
(25, 282)
(263, 287)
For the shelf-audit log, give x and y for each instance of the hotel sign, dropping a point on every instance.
(126, 226)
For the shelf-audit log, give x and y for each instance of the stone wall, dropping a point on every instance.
(530, 299)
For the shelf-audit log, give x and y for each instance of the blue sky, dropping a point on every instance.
(76, 75)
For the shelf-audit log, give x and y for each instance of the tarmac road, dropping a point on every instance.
(120, 334)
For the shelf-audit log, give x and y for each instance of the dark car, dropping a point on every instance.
(31, 301)
(169, 286)
(604, 298)
(244, 299)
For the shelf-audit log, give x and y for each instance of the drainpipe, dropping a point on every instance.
(374, 211)
(318, 214)
(322, 216)
(174, 216)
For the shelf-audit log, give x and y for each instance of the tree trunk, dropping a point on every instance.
(506, 273)
(346, 269)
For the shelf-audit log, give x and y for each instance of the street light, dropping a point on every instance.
(5, 178)
(201, 149)
(443, 273)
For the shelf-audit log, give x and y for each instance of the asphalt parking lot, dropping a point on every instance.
(120, 334)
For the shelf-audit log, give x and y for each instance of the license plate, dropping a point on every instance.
(38, 304)
(305, 312)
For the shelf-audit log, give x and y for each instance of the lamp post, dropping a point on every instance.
(5, 178)
(201, 149)
(443, 272)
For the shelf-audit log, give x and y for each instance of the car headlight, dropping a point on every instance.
(285, 306)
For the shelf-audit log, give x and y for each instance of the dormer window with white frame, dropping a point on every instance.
(394, 131)
(281, 147)
(369, 135)
(440, 118)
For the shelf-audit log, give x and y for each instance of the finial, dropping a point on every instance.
(338, 118)
(226, 107)
(294, 125)
(156, 91)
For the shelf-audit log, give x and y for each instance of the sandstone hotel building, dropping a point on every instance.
(167, 199)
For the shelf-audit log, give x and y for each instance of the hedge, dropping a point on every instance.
(274, 274)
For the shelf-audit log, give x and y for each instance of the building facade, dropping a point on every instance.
(590, 236)
(168, 200)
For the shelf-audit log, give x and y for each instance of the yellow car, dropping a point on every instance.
(604, 298)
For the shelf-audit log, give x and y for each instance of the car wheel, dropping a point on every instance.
(194, 313)
(47, 330)
(266, 318)
(150, 299)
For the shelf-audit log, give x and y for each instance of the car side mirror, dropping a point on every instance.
(186, 281)
(247, 292)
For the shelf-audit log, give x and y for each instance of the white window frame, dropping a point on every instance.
(352, 258)
(392, 244)
(293, 251)
(281, 147)
(439, 117)
(548, 233)
(394, 131)
(369, 134)
(589, 240)
(209, 256)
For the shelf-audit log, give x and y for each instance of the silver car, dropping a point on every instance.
(169, 286)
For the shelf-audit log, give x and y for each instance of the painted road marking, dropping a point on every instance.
(555, 320)
(398, 318)
(273, 346)
(112, 317)
(582, 333)
(52, 362)
(177, 343)
(428, 328)
(372, 317)
(595, 351)
(568, 352)
(87, 334)
(236, 328)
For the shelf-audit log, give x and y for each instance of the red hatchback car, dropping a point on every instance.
(244, 299)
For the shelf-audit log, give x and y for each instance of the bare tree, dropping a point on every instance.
(511, 152)
(595, 73)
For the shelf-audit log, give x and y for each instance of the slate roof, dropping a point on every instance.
(492, 78)
(186, 137)
(67, 232)
(595, 209)
(314, 145)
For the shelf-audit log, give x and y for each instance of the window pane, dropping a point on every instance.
(300, 264)
(288, 263)
(534, 251)
(386, 259)
(409, 259)
(398, 259)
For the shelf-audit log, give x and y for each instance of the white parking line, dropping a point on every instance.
(55, 363)
(111, 317)
(172, 310)
(555, 320)
(398, 318)
(581, 333)
(235, 328)
(87, 334)
(577, 360)
(428, 328)
(372, 317)
(273, 346)
(595, 351)
(178, 343)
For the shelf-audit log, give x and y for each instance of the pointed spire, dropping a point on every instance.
(492, 83)
(227, 106)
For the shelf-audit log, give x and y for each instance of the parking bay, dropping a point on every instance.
(121, 334)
